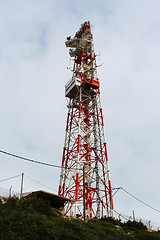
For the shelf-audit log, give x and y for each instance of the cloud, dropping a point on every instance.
(33, 72)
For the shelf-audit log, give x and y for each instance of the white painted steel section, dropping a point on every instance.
(108, 171)
(69, 86)
(65, 141)
(78, 163)
(79, 125)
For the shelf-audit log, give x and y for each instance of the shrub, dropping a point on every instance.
(136, 226)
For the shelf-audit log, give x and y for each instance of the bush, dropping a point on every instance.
(136, 226)
(37, 204)
(33, 219)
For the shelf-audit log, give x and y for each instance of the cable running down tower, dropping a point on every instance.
(85, 144)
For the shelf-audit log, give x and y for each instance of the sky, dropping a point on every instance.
(33, 73)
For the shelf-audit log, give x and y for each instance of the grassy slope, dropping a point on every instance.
(34, 220)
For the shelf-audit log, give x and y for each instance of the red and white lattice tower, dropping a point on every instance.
(85, 144)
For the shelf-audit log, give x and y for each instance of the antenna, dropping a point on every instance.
(85, 143)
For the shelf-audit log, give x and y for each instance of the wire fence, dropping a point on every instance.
(148, 223)
(6, 193)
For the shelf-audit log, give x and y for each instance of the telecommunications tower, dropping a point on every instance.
(85, 176)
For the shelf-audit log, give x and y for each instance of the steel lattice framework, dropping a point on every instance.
(85, 144)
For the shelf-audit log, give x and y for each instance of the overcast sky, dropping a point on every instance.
(33, 72)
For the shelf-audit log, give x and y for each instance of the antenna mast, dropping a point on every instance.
(85, 144)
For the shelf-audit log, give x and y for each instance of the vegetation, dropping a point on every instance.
(34, 219)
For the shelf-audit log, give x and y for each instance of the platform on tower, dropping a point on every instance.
(71, 87)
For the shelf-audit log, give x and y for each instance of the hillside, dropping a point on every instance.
(34, 219)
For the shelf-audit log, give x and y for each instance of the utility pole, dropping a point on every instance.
(10, 190)
(149, 224)
(102, 208)
(22, 185)
(133, 216)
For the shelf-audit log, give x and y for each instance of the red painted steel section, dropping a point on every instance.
(102, 117)
(77, 187)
